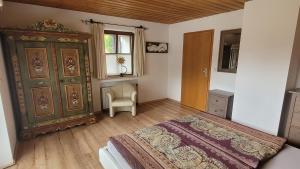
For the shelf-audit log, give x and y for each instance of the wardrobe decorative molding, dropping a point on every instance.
(49, 25)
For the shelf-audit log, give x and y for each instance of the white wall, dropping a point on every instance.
(219, 80)
(264, 60)
(152, 86)
(7, 124)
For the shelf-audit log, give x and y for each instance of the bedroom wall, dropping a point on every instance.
(7, 124)
(219, 80)
(151, 86)
(264, 61)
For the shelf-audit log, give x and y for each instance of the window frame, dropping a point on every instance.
(116, 33)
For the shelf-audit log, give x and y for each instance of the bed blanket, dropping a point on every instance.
(200, 141)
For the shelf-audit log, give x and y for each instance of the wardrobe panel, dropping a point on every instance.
(74, 97)
(39, 83)
(72, 77)
(37, 62)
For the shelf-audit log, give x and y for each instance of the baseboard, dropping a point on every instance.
(179, 103)
(147, 102)
(174, 101)
(15, 155)
(158, 100)
(151, 101)
(8, 165)
(141, 103)
(16, 151)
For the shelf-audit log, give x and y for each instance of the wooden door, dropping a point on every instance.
(38, 77)
(72, 78)
(197, 52)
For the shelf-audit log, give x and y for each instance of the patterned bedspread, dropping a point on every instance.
(203, 142)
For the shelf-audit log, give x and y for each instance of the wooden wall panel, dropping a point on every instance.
(163, 11)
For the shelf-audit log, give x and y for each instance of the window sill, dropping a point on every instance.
(118, 78)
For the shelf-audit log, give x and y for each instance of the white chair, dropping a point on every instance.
(122, 96)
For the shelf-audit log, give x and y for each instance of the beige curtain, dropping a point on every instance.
(99, 59)
(139, 52)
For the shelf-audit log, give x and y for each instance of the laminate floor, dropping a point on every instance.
(78, 147)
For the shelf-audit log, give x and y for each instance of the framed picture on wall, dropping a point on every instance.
(156, 47)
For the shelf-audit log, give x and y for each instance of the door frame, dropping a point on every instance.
(209, 65)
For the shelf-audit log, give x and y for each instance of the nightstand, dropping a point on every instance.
(220, 103)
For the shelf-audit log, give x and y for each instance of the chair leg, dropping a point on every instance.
(133, 110)
(111, 112)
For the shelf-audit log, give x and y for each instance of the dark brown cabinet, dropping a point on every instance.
(49, 78)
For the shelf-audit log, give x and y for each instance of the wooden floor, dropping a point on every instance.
(78, 147)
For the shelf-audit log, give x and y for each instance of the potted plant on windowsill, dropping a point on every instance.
(121, 61)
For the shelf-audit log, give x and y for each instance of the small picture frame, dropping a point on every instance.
(156, 47)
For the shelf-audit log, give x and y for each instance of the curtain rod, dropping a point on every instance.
(91, 21)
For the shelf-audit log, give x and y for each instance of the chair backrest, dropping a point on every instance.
(123, 90)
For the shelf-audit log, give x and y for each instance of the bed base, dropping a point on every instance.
(107, 160)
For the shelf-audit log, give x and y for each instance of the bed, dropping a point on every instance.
(201, 141)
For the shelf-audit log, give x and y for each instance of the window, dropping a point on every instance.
(118, 47)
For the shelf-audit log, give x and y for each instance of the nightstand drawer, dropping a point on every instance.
(297, 105)
(217, 110)
(217, 100)
(294, 135)
(296, 120)
(291, 117)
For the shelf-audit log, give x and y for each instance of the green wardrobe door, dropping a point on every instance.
(39, 83)
(72, 78)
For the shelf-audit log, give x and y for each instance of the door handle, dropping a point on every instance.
(205, 72)
(62, 80)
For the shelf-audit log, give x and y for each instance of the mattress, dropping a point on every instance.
(287, 158)
(117, 156)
